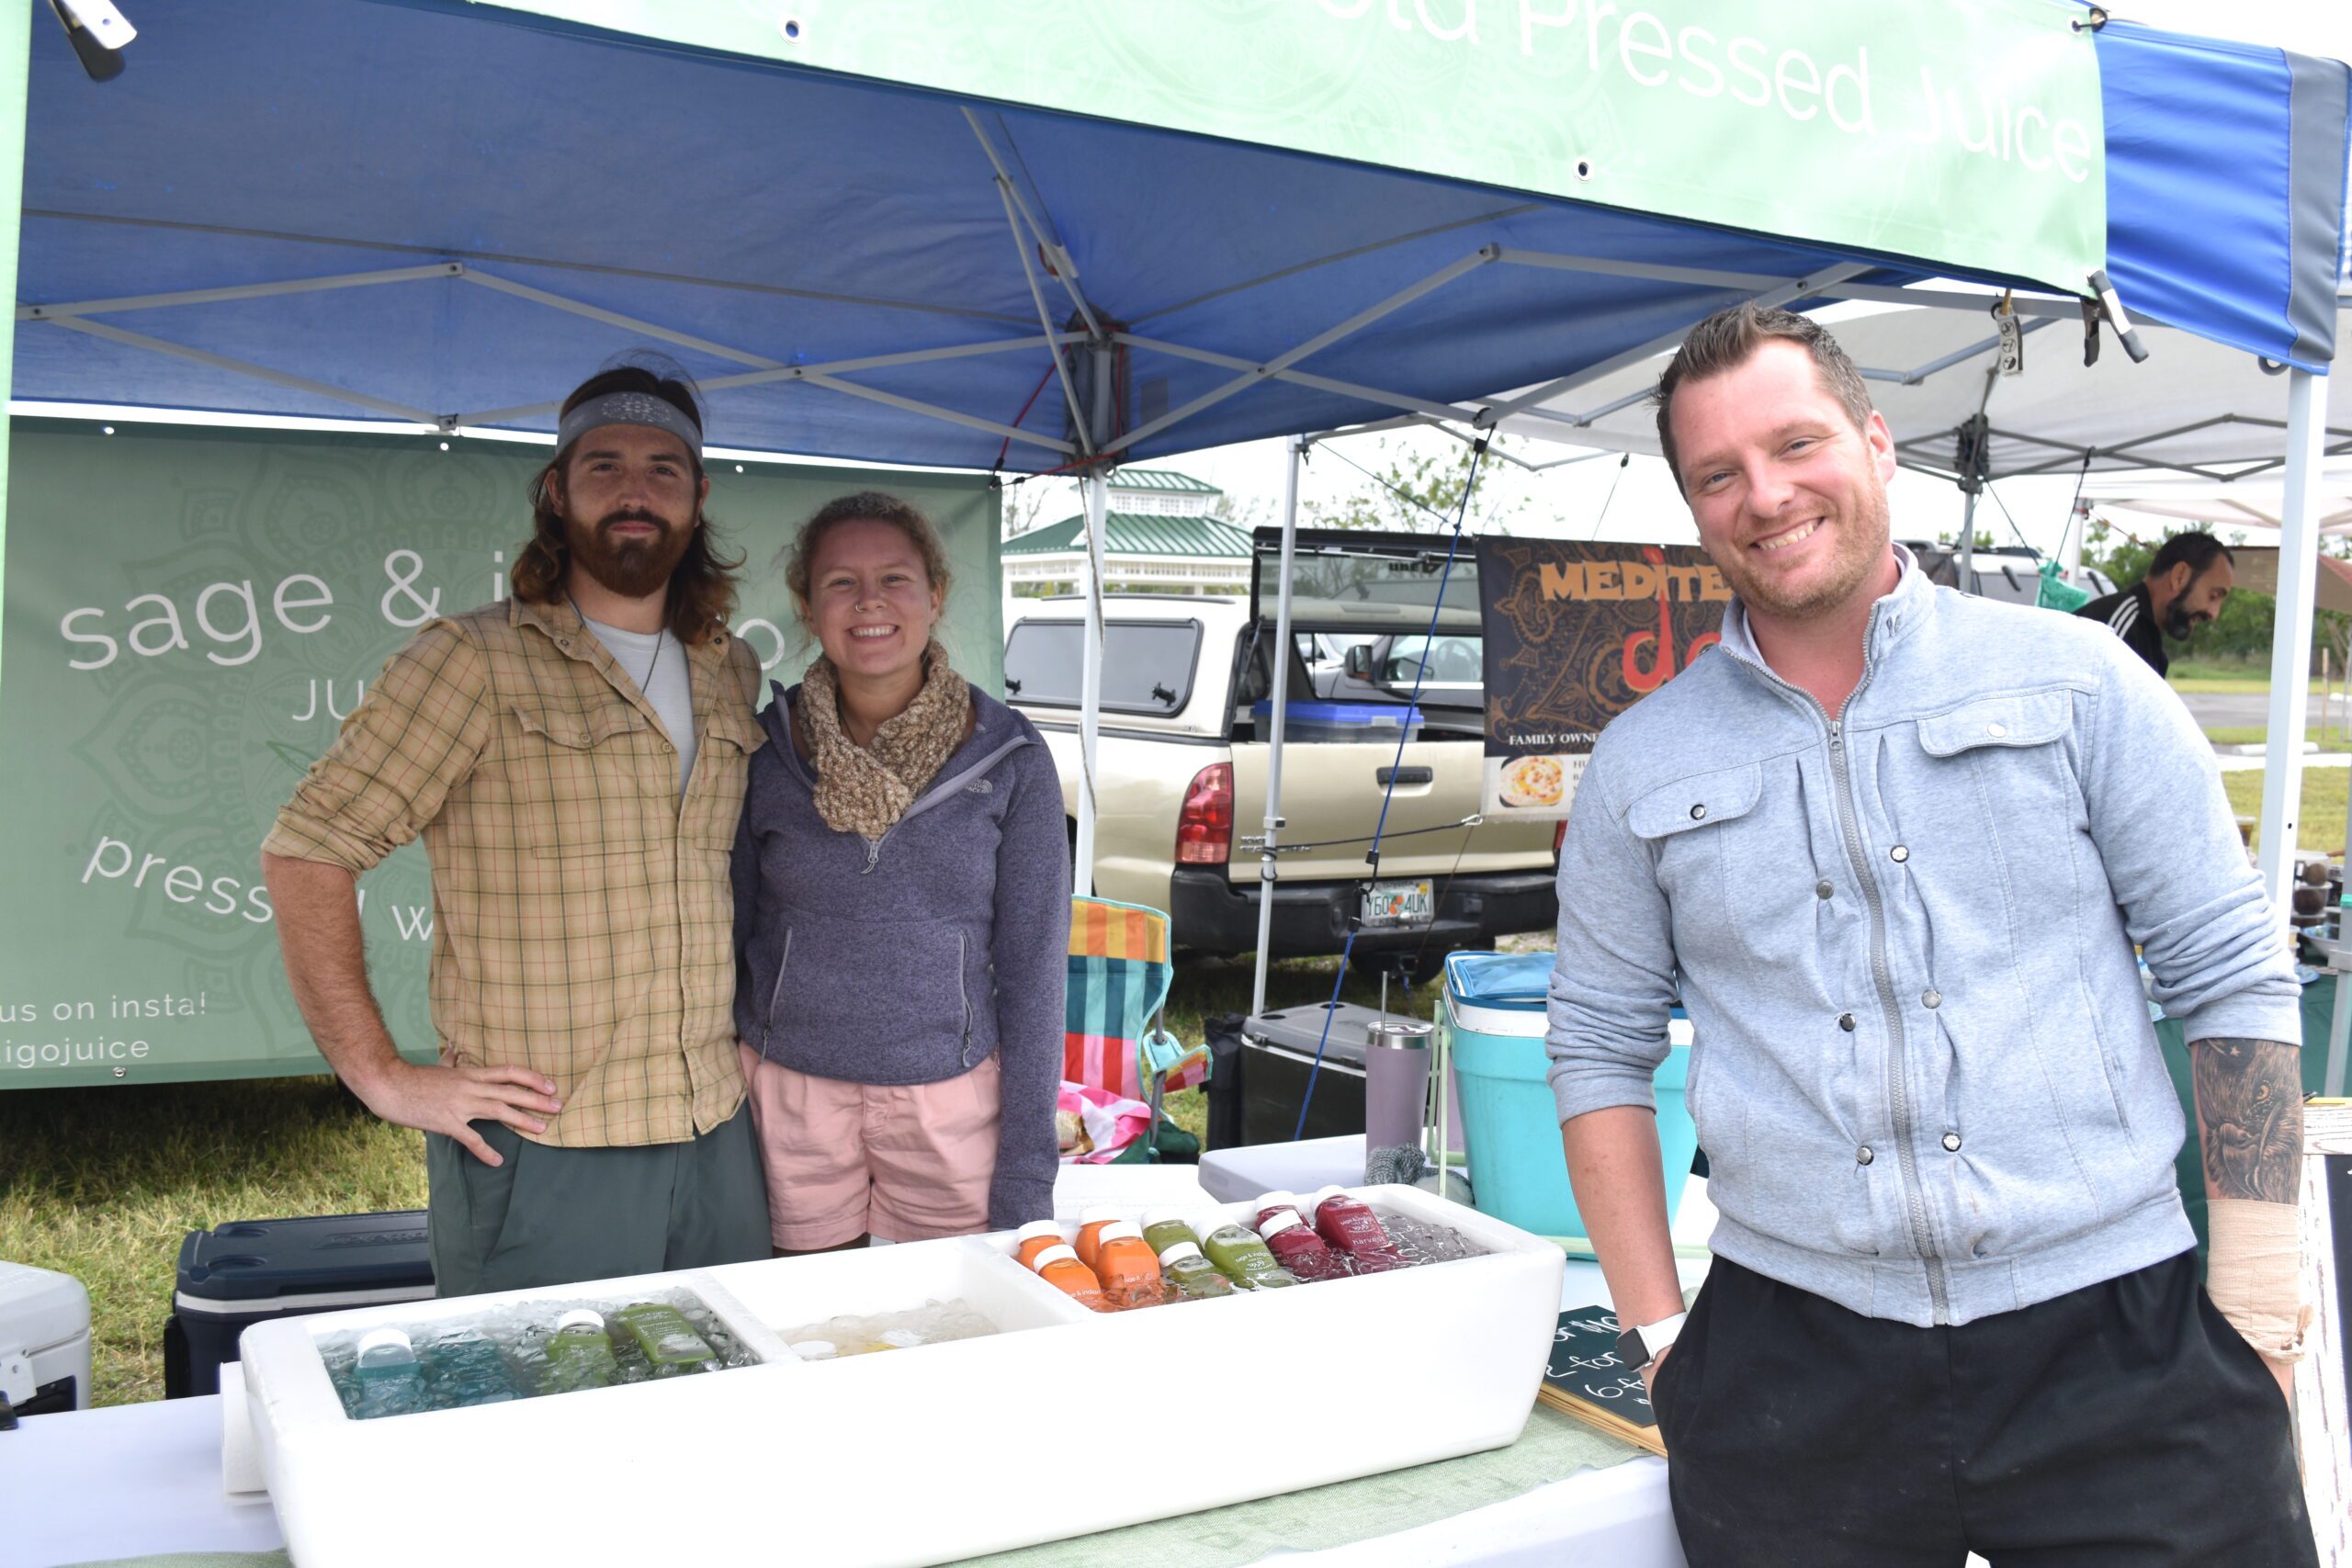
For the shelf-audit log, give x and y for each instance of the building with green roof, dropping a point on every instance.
(1160, 535)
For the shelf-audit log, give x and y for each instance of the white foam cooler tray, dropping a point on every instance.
(1068, 1422)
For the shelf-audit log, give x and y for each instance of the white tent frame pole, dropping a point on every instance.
(1269, 876)
(242, 367)
(1078, 418)
(1423, 406)
(2290, 646)
(1063, 268)
(244, 291)
(1967, 583)
(1090, 687)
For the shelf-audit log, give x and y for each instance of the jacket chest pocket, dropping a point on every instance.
(1996, 775)
(1687, 827)
(579, 781)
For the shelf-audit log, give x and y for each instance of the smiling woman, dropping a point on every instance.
(902, 886)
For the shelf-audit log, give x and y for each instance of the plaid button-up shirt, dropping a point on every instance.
(583, 915)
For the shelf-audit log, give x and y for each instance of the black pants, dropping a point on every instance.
(2123, 1425)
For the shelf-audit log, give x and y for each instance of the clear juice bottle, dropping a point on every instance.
(391, 1382)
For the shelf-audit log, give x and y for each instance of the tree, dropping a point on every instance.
(1027, 504)
(1416, 493)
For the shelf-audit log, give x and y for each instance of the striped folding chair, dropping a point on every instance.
(1115, 1036)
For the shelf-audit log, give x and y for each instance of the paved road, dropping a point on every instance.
(2215, 710)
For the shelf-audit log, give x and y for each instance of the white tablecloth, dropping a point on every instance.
(137, 1480)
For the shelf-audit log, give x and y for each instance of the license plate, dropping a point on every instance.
(1397, 904)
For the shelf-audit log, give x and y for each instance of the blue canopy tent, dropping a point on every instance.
(437, 212)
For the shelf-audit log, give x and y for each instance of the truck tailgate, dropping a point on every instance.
(1332, 790)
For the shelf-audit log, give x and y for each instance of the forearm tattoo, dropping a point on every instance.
(2249, 1117)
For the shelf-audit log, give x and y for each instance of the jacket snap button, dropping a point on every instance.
(1863, 1156)
(1952, 1143)
(1997, 731)
(1697, 812)
(1823, 890)
(1845, 1022)
(1898, 854)
(1931, 998)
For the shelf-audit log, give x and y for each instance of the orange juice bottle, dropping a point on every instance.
(1090, 1231)
(1060, 1267)
(1033, 1238)
(1126, 1266)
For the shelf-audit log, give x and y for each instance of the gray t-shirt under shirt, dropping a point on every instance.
(672, 691)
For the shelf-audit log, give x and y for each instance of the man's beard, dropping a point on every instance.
(2179, 622)
(632, 568)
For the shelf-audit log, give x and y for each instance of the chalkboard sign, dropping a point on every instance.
(1584, 1377)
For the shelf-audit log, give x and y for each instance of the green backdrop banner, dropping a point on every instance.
(1966, 133)
(188, 614)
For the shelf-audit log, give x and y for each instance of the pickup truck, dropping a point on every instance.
(1182, 761)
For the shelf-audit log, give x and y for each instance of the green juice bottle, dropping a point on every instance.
(1193, 1277)
(669, 1341)
(579, 1354)
(1242, 1258)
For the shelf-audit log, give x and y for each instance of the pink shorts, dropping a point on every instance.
(901, 1162)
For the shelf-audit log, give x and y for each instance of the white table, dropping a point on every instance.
(134, 1479)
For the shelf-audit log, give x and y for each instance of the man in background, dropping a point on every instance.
(2184, 589)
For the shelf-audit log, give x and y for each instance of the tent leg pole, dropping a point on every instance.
(1090, 713)
(2290, 646)
(1280, 655)
(1967, 579)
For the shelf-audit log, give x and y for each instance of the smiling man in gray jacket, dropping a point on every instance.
(1893, 847)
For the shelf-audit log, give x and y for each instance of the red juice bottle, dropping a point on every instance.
(1300, 1250)
(1350, 1226)
(1274, 1203)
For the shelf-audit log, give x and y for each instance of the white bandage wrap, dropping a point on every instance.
(2254, 1273)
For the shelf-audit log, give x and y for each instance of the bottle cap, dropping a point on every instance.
(1054, 1255)
(1324, 1195)
(1277, 1199)
(1100, 1212)
(816, 1350)
(1036, 1228)
(377, 1338)
(1277, 1224)
(1119, 1230)
(581, 1318)
(1175, 1252)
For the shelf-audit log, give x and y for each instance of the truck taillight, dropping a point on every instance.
(1204, 827)
(1559, 836)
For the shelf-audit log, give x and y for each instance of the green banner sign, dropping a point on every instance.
(188, 615)
(1967, 133)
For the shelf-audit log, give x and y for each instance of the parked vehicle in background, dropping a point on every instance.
(1181, 769)
(2005, 571)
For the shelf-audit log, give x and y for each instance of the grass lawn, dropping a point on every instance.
(2322, 825)
(102, 1183)
(2200, 675)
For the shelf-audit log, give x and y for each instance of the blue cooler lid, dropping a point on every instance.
(1508, 982)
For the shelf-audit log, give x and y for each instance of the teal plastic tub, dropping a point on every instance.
(1492, 1020)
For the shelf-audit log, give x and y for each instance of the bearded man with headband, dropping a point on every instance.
(574, 759)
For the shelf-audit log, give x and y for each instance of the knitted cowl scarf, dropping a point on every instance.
(865, 789)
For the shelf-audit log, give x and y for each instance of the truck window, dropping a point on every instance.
(1147, 666)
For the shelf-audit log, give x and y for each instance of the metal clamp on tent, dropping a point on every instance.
(2111, 305)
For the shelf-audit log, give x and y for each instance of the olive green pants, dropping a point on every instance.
(552, 1216)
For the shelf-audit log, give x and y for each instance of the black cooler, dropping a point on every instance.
(253, 1271)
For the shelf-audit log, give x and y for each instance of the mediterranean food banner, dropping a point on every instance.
(189, 614)
(1576, 633)
(1968, 133)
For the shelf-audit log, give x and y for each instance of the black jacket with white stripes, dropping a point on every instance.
(2132, 616)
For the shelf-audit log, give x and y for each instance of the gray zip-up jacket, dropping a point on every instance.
(1923, 1071)
(907, 959)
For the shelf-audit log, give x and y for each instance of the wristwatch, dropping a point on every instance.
(1640, 1345)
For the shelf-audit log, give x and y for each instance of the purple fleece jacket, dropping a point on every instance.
(907, 959)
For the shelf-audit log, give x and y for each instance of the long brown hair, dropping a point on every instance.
(702, 589)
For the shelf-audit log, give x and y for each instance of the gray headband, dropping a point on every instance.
(628, 408)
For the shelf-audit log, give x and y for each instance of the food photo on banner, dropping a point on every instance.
(1576, 632)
